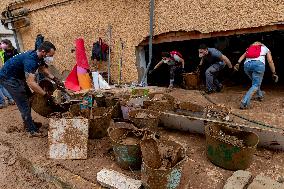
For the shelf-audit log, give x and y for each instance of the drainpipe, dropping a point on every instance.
(144, 79)
(16, 40)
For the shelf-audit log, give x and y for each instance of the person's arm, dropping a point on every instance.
(226, 60)
(242, 58)
(236, 67)
(271, 63)
(31, 81)
(182, 62)
(44, 69)
(201, 62)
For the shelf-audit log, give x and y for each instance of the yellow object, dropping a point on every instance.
(85, 81)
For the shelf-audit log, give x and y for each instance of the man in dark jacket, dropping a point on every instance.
(18, 77)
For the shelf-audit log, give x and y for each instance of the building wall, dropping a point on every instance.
(89, 19)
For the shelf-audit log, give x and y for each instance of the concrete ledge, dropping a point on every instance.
(239, 180)
(115, 180)
(59, 176)
(262, 182)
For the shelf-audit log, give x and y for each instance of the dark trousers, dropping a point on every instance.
(21, 93)
(175, 75)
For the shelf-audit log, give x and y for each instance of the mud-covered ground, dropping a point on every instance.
(198, 171)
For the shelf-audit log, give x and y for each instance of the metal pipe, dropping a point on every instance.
(16, 40)
(108, 68)
(144, 79)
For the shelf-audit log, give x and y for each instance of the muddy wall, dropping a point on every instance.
(89, 19)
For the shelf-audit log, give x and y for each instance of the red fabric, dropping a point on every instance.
(81, 57)
(253, 51)
(72, 81)
(172, 53)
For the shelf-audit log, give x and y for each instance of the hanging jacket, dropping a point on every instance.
(39, 40)
(99, 51)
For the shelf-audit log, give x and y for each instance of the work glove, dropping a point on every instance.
(151, 72)
(59, 83)
(275, 77)
(237, 67)
(50, 100)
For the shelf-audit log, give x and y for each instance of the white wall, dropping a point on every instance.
(7, 34)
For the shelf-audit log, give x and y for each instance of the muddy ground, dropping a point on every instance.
(198, 171)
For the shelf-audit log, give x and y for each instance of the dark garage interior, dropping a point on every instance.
(231, 46)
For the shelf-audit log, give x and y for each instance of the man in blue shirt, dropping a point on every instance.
(18, 77)
(215, 61)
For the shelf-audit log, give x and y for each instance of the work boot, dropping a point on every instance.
(219, 89)
(35, 134)
(11, 102)
(207, 91)
(38, 124)
(243, 106)
(259, 98)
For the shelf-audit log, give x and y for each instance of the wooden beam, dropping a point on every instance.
(184, 36)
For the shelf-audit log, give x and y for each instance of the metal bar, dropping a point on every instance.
(108, 68)
(152, 6)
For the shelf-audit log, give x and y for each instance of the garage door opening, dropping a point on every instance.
(232, 46)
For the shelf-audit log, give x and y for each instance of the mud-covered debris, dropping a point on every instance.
(229, 139)
(144, 115)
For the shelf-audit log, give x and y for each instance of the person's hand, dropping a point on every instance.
(275, 77)
(237, 67)
(150, 72)
(59, 83)
(49, 98)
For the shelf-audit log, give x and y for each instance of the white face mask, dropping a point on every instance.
(48, 59)
(4, 46)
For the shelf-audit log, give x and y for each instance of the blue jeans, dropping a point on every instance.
(4, 93)
(255, 71)
(211, 74)
(21, 93)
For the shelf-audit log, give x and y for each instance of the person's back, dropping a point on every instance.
(16, 65)
(262, 54)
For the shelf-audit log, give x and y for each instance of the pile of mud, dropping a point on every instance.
(144, 115)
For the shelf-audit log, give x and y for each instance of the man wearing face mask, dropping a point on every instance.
(176, 63)
(18, 77)
(214, 61)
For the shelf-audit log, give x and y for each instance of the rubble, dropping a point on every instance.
(239, 180)
(115, 180)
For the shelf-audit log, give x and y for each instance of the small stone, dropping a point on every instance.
(238, 180)
(262, 182)
(115, 180)
(280, 180)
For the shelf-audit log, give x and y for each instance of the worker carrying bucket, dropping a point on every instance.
(18, 77)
